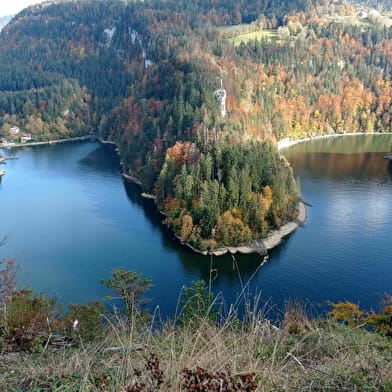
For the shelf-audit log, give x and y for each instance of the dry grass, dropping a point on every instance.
(300, 356)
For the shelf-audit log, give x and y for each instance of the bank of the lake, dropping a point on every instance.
(288, 142)
(48, 142)
(260, 246)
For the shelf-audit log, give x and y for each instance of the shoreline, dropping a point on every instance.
(262, 245)
(288, 142)
(56, 141)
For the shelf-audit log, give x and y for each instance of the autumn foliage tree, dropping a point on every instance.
(351, 314)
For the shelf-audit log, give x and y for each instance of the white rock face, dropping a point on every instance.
(148, 63)
(220, 96)
(135, 38)
(108, 33)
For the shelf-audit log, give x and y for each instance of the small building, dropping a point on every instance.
(362, 15)
(14, 130)
(25, 137)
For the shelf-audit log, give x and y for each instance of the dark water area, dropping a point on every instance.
(70, 217)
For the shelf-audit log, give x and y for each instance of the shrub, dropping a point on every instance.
(28, 320)
(89, 318)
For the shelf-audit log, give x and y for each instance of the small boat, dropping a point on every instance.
(2, 172)
(388, 156)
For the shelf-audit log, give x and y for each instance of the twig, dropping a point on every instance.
(296, 360)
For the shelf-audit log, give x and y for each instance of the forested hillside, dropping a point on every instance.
(194, 109)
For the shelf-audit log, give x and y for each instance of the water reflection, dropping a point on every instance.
(356, 144)
(97, 160)
(327, 165)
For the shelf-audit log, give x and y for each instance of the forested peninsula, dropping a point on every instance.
(196, 95)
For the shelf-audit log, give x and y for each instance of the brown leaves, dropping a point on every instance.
(150, 379)
(179, 152)
(202, 380)
(8, 271)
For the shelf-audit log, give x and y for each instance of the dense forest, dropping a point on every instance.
(195, 110)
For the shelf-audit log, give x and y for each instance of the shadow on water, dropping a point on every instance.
(390, 167)
(229, 268)
(99, 158)
(151, 213)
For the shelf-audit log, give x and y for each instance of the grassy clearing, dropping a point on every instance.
(233, 29)
(251, 356)
(255, 35)
(243, 33)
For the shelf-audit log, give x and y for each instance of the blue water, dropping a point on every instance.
(70, 217)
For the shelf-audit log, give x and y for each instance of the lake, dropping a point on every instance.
(70, 217)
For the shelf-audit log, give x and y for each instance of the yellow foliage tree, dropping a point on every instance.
(347, 312)
(267, 196)
(187, 227)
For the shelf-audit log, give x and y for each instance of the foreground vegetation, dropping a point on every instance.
(252, 356)
(201, 349)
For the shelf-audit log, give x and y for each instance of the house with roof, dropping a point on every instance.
(25, 137)
(14, 131)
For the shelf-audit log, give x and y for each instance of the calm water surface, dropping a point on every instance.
(70, 218)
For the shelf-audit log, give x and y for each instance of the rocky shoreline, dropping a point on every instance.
(263, 245)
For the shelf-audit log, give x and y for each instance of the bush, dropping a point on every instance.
(197, 305)
(89, 319)
(28, 320)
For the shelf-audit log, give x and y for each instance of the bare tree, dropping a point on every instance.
(8, 272)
